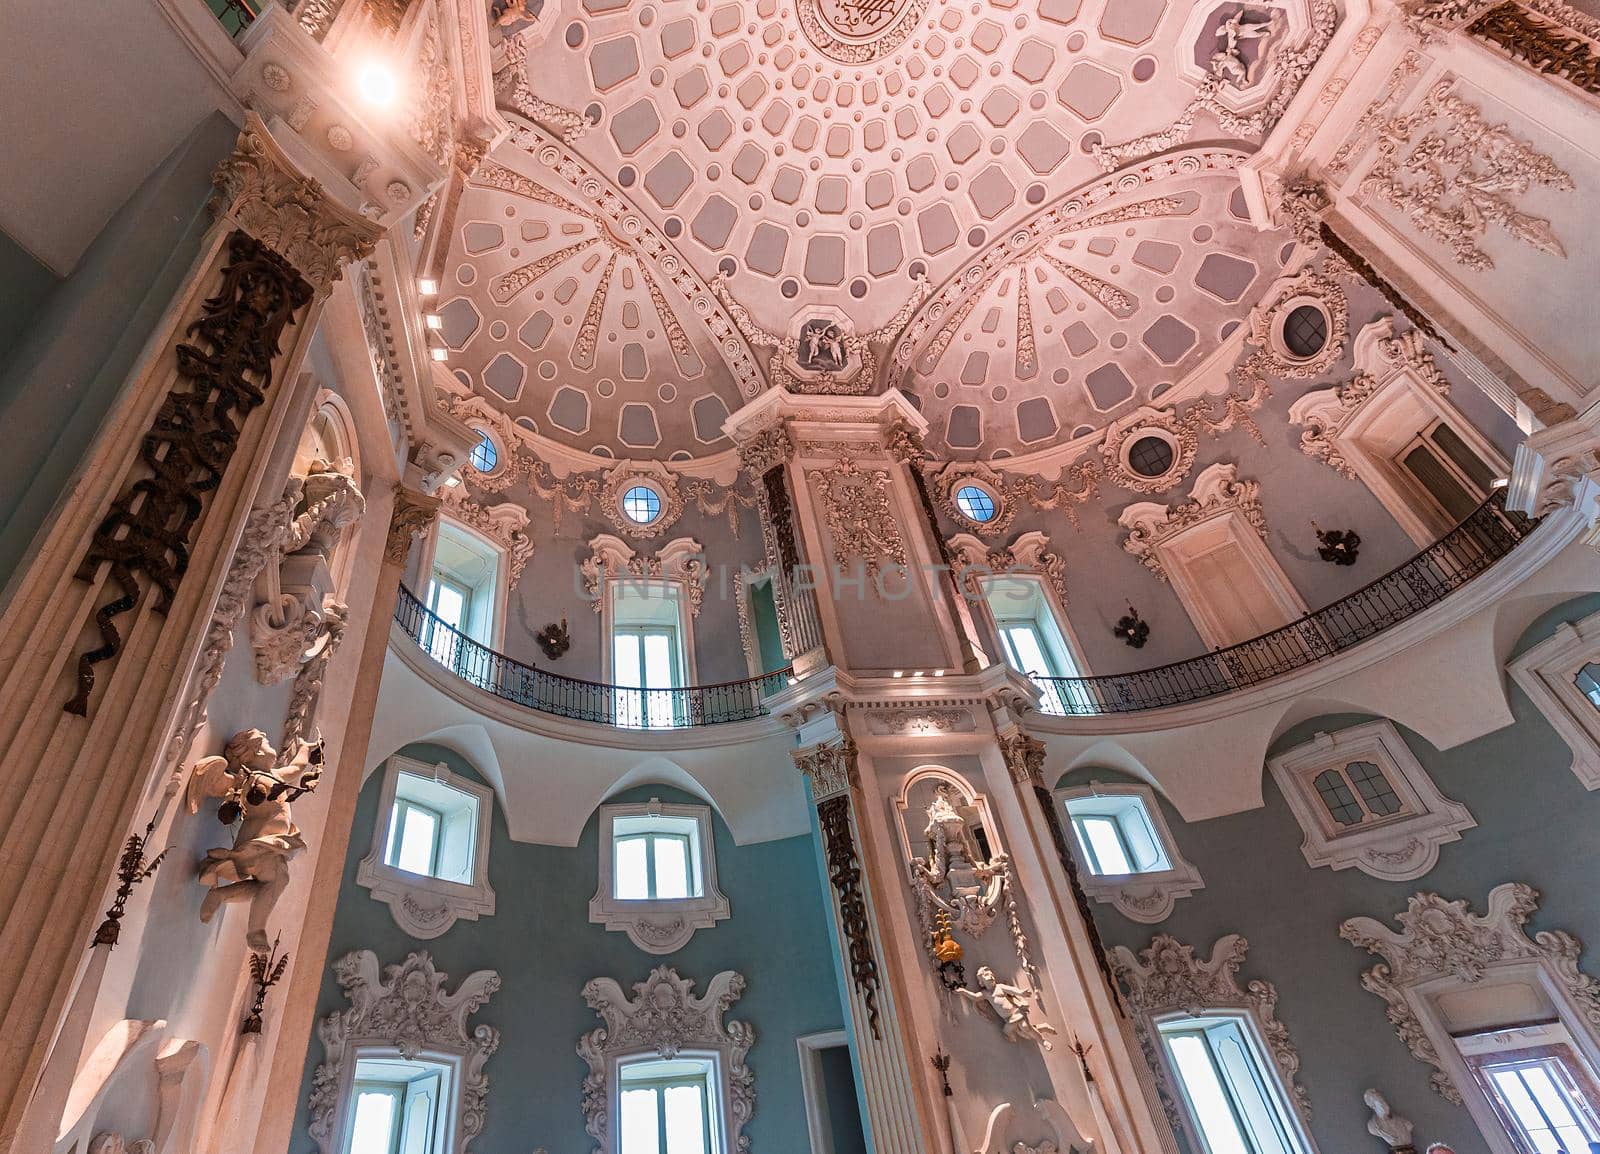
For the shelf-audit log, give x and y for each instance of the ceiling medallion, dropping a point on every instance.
(859, 31)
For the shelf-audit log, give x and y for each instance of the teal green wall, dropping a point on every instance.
(541, 941)
(67, 350)
(1536, 824)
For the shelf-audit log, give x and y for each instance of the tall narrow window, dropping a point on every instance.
(396, 1107)
(463, 590)
(667, 1108)
(1440, 462)
(1030, 637)
(647, 660)
(1231, 1091)
(1541, 1099)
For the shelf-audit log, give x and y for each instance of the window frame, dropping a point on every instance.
(1292, 1134)
(485, 611)
(654, 924)
(1146, 896)
(705, 1081)
(1396, 847)
(397, 827)
(1547, 673)
(445, 1116)
(1052, 629)
(425, 905)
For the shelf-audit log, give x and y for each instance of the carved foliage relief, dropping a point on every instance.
(1456, 175)
(403, 1008)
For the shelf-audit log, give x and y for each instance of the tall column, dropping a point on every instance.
(108, 621)
(412, 514)
(899, 1114)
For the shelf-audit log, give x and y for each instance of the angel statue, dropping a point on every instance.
(256, 793)
(1012, 1005)
(1228, 61)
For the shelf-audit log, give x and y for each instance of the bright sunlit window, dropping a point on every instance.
(655, 858)
(484, 455)
(647, 660)
(463, 593)
(1233, 1094)
(432, 829)
(668, 1107)
(1031, 639)
(976, 504)
(1116, 835)
(1543, 1103)
(396, 1107)
(641, 504)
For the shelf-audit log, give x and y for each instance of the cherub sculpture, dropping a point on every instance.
(1228, 62)
(1012, 1005)
(256, 793)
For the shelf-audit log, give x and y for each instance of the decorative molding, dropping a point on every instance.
(1445, 939)
(652, 475)
(1182, 436)
(1216, 492)
(829, 767)
(844, 872)
(1143, 897)
(612, 559)
(1270, 355)
(1453, 174)
(1547, 675)
(424, 906)
(506, 524)
(660, 926)
(1024, 758)
(1029, 554)
(1397, 847)
(414, 514)
(1166, 976)
(290, 214)
(405, 1010)
(663, 1019)
(1289, 67)
(857, 508)
(144, 538)
(1381, 358)
(1563, 48)
(948, 481)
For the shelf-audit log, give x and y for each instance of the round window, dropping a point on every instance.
(484, 455)
(976, 504)
(1150, 457)
(1305, 331)
(641, 504)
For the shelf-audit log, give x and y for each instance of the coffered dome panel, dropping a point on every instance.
(826, 151)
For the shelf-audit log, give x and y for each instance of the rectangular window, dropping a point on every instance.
(395, 1107)
(1541, 1099)
(1442, 465)
(656, 858)
(462, 593)
(647, 658)
(433, 829)
(667, 1108)
(1031, 639)
(1232, 1092)
(1116, 836)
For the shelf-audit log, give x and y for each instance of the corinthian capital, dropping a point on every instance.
(260, 188)
(414, 514)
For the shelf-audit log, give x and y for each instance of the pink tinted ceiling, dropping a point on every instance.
(829, 154)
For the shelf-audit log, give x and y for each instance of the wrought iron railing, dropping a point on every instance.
(235, 15)
(1485, 536)
(617, 705)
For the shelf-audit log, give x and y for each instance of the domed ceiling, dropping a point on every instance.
(702, 199)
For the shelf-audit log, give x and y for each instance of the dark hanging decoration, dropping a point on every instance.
(132, 868)
(844, 871)
(225, 376)
(554, 640)
(265, 970)
(1339, 546)
(1133, 629)
(1052, 819)
(1363, 269)
(941, 1063)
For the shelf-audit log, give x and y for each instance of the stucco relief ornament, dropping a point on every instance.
(1012, 1006)
(1229, 61)
(664, 1018)
(297, 611)
(1440, 938)
(1029, 553)
(291, 214)
(506, 524)
(860, 518)
(1166, 975)
(255, 792)
(859, 31)
(1454, 174)
(954, 878)
(406, 1007)
(1216, 490)
(611, 558)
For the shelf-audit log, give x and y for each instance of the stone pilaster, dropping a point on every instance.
(109, 619)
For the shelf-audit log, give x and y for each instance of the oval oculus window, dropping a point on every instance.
(641, 504)
(976, 504)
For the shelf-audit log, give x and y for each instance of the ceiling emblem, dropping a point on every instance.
(859, 31)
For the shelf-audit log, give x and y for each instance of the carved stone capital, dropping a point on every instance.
(1024, 758)
(261, 189)
(414, 514)
(831, 768)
